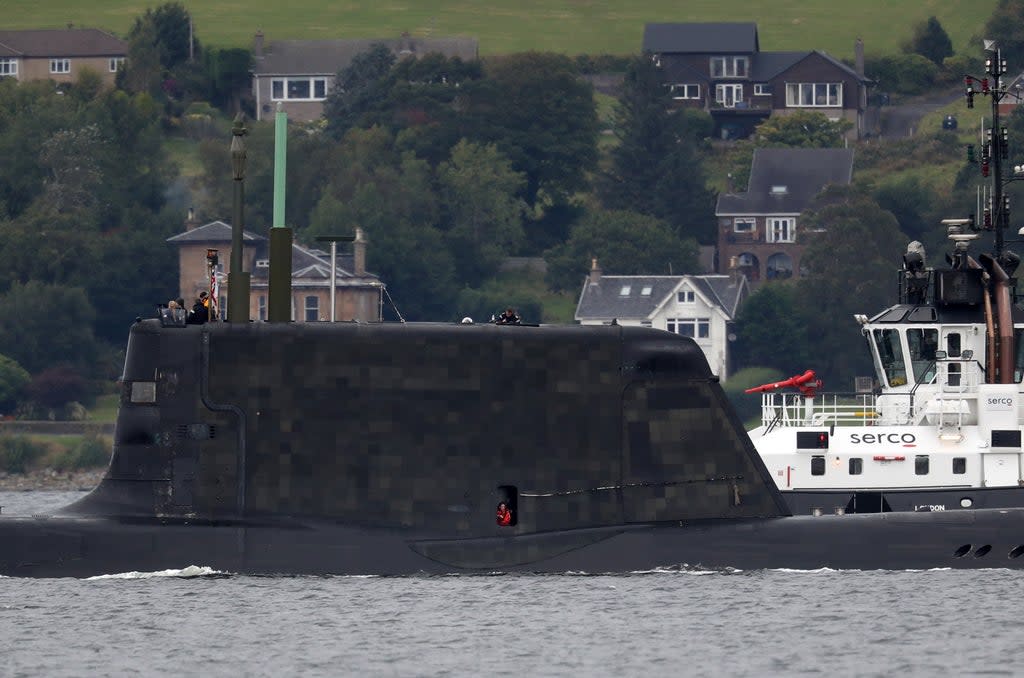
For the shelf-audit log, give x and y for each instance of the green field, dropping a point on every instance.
(567, 26)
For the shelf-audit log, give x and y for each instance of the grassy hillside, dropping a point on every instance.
(504, 26)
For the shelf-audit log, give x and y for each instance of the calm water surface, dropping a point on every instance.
(198, 622)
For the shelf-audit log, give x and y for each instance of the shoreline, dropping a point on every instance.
(51, 480)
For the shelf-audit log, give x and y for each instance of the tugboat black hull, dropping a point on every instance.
(81, 547)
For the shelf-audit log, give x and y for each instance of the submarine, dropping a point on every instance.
(354, 448)
(385, 449)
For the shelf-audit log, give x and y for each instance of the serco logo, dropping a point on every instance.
(905, 439)
(999, 403)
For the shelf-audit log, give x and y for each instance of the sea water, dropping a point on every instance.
(198, 621)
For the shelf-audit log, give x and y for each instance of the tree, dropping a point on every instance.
(359, 91)
(772, 329)
(852, 262)
(542, 116)
(1006, 27)
(625, 243)
(52, 324)
(931, 41)
(656, 168)
(802, 129)
(479, 190)
(13, 382)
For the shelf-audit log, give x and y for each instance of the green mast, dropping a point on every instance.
(279, 307)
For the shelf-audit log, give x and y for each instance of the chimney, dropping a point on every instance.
(359, 254)
(257, 44)
(191, 222)
(858, 57)
(595, 272)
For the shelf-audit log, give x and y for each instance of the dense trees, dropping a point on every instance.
(931, 41)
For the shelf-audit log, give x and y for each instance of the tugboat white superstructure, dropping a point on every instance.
(941, 429)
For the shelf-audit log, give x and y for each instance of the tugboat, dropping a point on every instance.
(942, 429)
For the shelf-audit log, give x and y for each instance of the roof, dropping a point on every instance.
(312, 266)
(701, 38)
(66, 42)
(213, 232)
(327, 57)
(604, 300)
(801, 172)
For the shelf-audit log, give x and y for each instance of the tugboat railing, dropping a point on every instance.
(824, 409)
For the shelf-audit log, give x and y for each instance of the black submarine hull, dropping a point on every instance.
(83, 547)
(344, 448)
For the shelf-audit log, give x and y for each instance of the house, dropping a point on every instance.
(759, 231)
(720, 68)
(698, 306)
(358, 294)
(300, 73)
(60, 54)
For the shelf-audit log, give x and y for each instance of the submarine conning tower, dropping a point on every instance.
(425, 428)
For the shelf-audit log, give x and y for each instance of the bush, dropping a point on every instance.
(91, 452)
(902, 73)
(19, 453)
(748, 405)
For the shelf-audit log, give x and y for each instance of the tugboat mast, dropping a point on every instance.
(995, 148)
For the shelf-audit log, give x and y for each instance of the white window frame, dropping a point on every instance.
(686, 297)
(762, 89)
(781, 229)
(814, 95)
(726, 101)
(285, 88)
(8, 66)
(729, 67)
(744, 225)
(114, 64)
(695, 328)
(60, 65)
(685, 91)
(311, 305)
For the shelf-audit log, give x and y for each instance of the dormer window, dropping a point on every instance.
(624, 292)
(779, 190)
(263, 263)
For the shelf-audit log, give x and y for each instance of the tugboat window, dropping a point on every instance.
(856, 466)
(953, 345)
(921, 464)
(959, 465)
(890, 353)
(817, 466)
(923, 343)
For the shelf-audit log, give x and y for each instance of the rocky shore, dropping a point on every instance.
(50, 480)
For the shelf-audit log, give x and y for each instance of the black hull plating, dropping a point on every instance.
(79, 547)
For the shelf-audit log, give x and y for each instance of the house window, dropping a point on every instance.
(60, 65)
(685, 91)
(263, 263)
(115, 64)
(814, 94)
(312, 308)
(298, 89)
(728, 67)
(762, 89)
(744, 225)
(729, 95)
(624, 292)
(695, 328)
(782, 230)
(8, 66)
(779, 265)
(261, 307)
(685, 297)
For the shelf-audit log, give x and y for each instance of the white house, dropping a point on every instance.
(698, 306)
